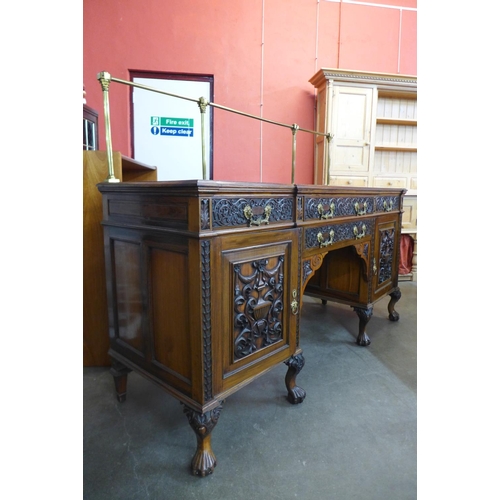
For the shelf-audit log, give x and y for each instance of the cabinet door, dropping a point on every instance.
(351, 125)
(386, 255)
(259, 277)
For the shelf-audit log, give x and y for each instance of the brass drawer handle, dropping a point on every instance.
(321, 239)
(257, 212)
(388, 206)
(374, 266)
(294, 304)
(357, 234)
(326, 212)
(359, 210)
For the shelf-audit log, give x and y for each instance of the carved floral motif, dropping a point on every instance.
(207, 322)
(386, 203)
(386, 250)
(342, 232)
(205, 214)
(343, 206)
(231, 211)
(258, 305)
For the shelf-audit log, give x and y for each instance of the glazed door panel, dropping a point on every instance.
(259, 277)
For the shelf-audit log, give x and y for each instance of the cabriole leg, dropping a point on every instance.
(395, 296)
(364, 316)
(295, 393)
(204, 461)
(120, 372)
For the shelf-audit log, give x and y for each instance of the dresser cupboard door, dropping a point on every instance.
(351, 128)
(258, 294)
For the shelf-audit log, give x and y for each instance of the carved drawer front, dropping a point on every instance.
(348, 180)
(259, 303)
(389, 182)
(324, 209)
(320, 208)
(227, 212)
(387, 203)
(329, 235)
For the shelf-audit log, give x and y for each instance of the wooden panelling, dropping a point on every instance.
(170, 312)
(95, 307)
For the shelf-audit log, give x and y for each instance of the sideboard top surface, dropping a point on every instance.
(193, 187)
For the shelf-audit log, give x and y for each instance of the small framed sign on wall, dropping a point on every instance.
(167, 130)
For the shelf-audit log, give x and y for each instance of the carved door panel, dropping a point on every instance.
(259, 303)
(386, 255)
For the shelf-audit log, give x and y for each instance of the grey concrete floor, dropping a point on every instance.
(353, 438)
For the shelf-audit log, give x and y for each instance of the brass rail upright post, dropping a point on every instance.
(203, 103)
(105, 78)
(295, 127)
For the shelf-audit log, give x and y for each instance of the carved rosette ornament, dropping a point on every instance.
(311, 265)
(258, 305)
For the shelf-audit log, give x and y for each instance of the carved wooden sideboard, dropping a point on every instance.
(205, 281)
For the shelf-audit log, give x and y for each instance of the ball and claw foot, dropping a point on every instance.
(364, 316)
(363, 340)
(295, 393)
(395, 296)
(203, 462)
(394, 316)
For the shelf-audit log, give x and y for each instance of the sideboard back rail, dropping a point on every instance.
(105, 78)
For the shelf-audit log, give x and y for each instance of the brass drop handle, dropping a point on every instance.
(357, 234)
(262, 215)
(360, 209)
(374, 266)
(325, 211)
(388, 206)
(321, 239)
(294, 304)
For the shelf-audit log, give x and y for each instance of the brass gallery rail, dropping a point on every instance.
(105, 78)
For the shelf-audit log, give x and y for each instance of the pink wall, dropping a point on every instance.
(262, 54)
